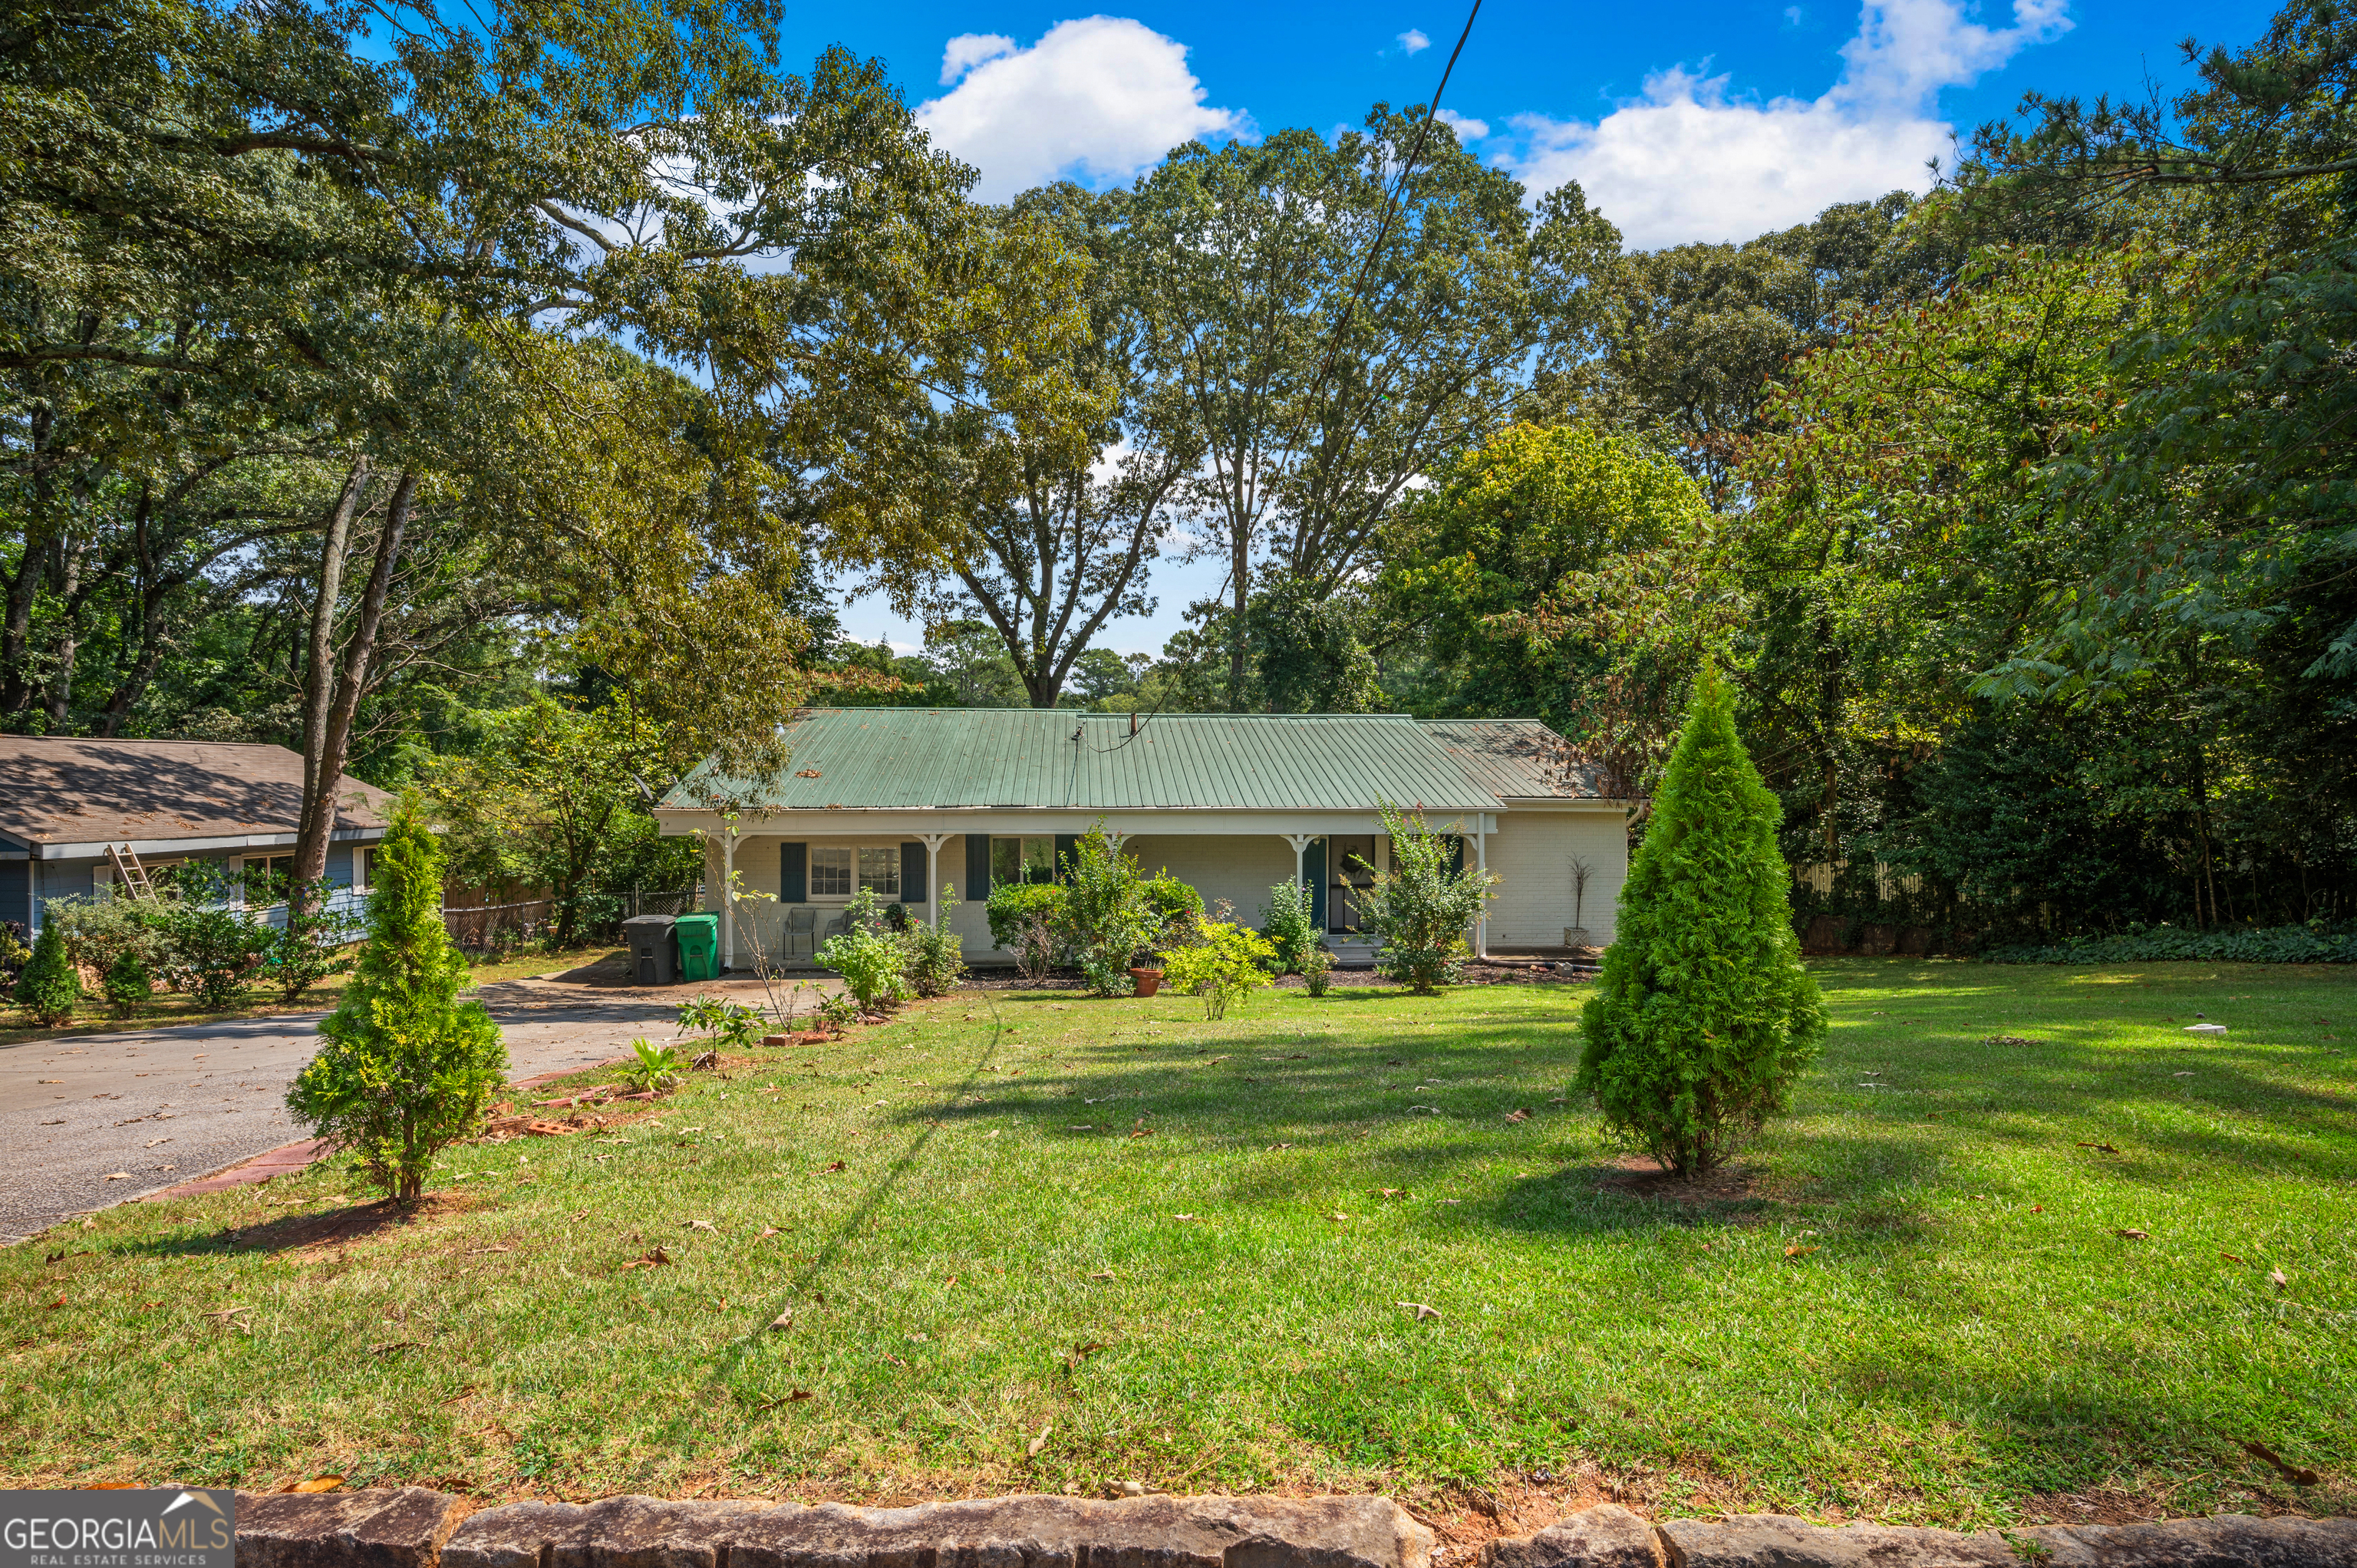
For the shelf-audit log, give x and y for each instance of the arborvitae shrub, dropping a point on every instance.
(1703, 1015)
(407, 1068)
(51, 984)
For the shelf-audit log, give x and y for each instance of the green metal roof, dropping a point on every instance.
(1026, 759)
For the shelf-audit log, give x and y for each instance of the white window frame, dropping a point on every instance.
(1023, 861)
(889, 856)
(849, 868)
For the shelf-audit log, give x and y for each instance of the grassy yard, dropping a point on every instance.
(92, 1018)
(1045, 1243)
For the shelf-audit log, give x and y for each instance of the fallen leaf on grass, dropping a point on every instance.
(1422, 1311)
(2106, 1148)
(794, 1397)
(767, 1232)
(2276, 1278)
(1081, 1353)
(466, 1393)
(2231, 1259)
(1102, 1275)
(1518, 1115)
(59, 1302)
(2037, 1209)
(1141, 1131)
(1797, 1251)
(119, 1176)
(318, 1484)
(782, 1322)
(2133, 1235)
(653, 1260)
(1338, 1219)
(1389, 1191)
(1031, 1450)
(1182, 1217)
(704, 1225)
(2288, 1471)
(472, 1251)
(229, 1312)
(835, 1166)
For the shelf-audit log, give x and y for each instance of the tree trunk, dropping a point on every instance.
(320, 771)
(16, 622)
(70, 589)
(1240, 575)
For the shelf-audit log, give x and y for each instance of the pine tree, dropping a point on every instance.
(407, 1068)
(51, 984)
(1704, 1015)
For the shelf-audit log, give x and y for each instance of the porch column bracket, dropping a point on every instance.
(932, 842)
(1301, 843)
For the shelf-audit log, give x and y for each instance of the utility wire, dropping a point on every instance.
(1392, 206)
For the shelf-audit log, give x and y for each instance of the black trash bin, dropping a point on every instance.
(654, 951)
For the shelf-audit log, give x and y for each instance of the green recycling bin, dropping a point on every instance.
(699, 946)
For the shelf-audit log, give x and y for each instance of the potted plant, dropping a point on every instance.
(1575, 934)
(1148, 979)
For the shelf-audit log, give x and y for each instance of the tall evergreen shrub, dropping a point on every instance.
(51, 984)
(1703, 1015)
(407, 1068)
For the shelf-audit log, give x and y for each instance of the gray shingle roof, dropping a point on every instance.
(64, 790)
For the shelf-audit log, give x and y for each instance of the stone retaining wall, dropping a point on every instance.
(413, 1528)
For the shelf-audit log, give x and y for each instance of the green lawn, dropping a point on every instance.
(1913, 1303)
(92, 1018)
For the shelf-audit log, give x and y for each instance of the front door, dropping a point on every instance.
(1350, 872)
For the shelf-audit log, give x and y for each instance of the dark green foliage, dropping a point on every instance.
(1703, 1015)
(407, 1068)
(1176, 905)
(213, 951)
(1106, 919)
(935, 961)
(51, 984)
(2318, 944)
(128, 983)
(308, 947)
(1422, 905)
(1016, 907)
(1286, 920)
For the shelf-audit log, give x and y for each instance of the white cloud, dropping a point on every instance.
(1414, 42)
(970, 49)
(1102, 97)
(1685, 161)
(1468, 129)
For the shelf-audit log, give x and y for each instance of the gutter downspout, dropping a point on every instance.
(728, 902)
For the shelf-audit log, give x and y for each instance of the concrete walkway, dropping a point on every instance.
(92, 1120)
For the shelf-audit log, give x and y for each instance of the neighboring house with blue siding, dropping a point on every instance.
(65, 801)
(902, 800)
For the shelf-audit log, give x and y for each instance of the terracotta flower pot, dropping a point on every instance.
(1149, 981)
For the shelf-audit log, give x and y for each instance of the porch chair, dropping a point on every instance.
(801, 930)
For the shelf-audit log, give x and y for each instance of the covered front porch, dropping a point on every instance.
(794, 883)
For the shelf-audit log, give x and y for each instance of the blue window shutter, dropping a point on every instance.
(1456, 855)
(1068, 846)
(1313, 871)
(340, 866)
(912, 874)
(977, 868)
(793, 873)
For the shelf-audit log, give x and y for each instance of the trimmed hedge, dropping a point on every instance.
(2318, 943)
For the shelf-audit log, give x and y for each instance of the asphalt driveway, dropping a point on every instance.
(91, 1119)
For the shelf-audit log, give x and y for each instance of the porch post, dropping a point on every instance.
(728, 902)
(1481, 866)
(1300, 843)
(932, 842)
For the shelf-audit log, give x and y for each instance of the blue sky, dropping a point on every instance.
(1704, 120)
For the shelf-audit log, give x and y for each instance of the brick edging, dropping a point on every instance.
(411, 1527)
